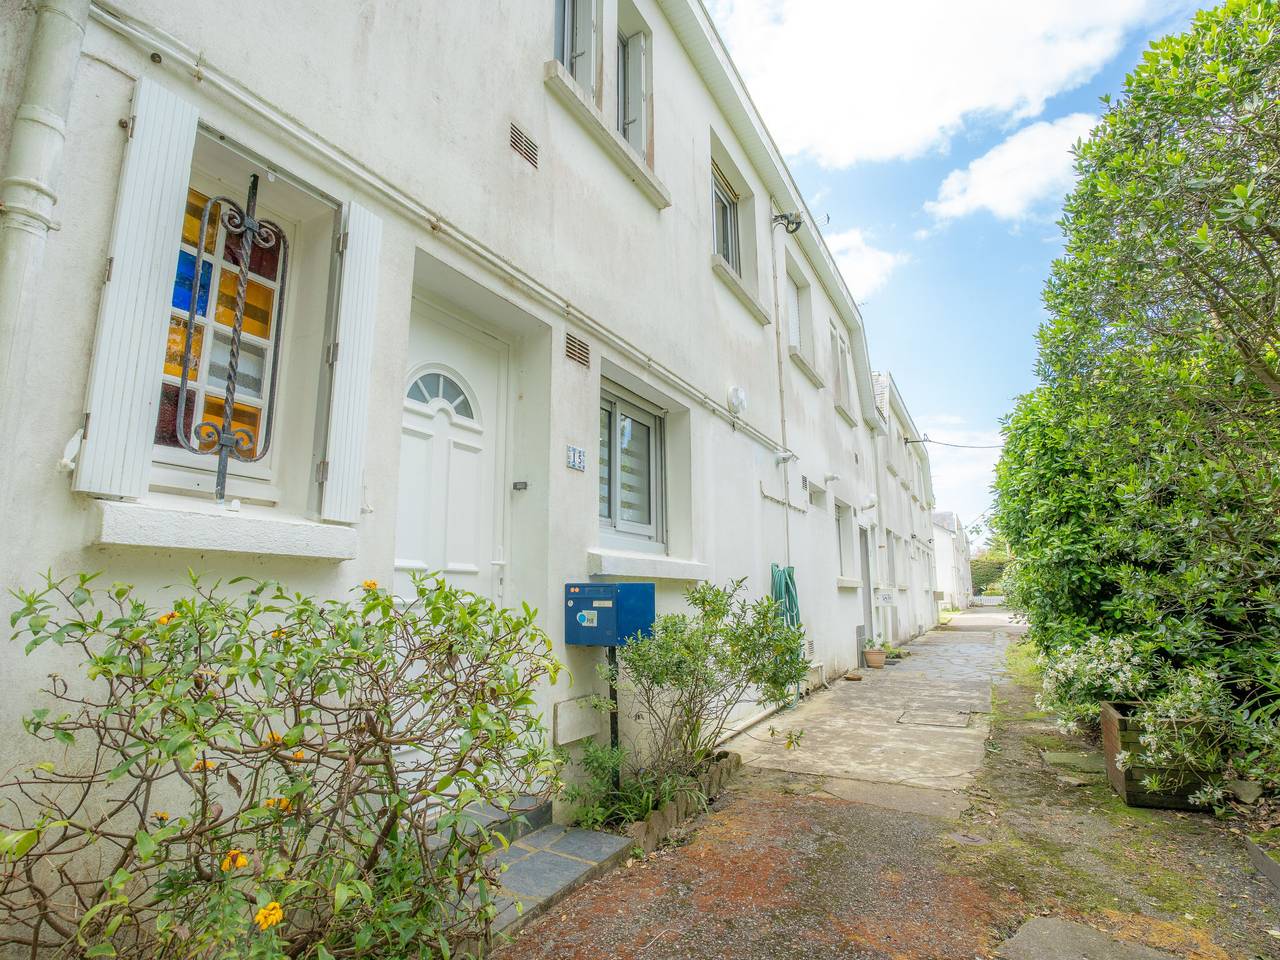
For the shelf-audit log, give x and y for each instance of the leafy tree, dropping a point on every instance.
(1138, 486)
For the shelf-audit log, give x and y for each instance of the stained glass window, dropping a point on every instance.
(215, 297)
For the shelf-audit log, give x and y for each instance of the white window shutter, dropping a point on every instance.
(634, 109)
(124, 375)
(352, 371)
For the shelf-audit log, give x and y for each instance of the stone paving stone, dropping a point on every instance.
(543, 837)
(589, 844)
(1052, 938)
(542, 874)
(510, 855)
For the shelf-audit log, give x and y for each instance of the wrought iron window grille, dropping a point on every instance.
(234, 442)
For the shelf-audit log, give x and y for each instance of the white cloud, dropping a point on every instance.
(1016, 175)
(844, 81)
(865, 268)
(962, 476)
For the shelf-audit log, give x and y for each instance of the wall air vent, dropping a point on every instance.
(577, 349)
(523, 144)
(804, 483)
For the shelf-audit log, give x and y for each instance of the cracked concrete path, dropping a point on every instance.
(918, 723)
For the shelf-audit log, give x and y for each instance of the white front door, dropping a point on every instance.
(450, 511)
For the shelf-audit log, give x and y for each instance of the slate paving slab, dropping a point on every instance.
(1052, 938)
(1079, 761)
(545, 865)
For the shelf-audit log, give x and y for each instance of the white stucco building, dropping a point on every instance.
(544, 318)
(952, 557)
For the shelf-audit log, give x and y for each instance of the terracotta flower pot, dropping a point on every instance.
(874, 658)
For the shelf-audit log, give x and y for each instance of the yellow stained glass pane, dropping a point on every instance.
(242, 415)
(177, 342)
(258, 301)
(191, 222)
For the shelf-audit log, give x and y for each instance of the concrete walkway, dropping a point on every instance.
(918, 724)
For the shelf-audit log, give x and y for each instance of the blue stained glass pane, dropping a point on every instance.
(182, 283)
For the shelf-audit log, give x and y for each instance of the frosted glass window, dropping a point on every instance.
(439, 386)
(635, 462)
(631, 468)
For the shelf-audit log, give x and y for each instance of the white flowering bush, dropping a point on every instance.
(1079, 675)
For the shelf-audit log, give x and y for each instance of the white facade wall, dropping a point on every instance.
(405, 111)
(952, 558)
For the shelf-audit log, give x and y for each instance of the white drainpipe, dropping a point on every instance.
(28, 189)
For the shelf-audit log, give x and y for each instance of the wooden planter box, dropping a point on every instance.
(1120, 732)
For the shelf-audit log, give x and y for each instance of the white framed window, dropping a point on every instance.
(575, 41)
(631, 491)
(795, 336)
(331, 293)
(724, 212)
(845, 544)
(841, 370)
(633, 96)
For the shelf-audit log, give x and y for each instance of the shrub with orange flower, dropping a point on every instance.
(269, 916)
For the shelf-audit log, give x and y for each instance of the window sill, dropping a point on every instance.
(731, 280)
(845, 412)
(847, 583)
(649, 566)
(806, 365)
(209, 529)
(568, 92)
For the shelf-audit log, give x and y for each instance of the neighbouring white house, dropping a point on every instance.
(952, 558)
(553, 309)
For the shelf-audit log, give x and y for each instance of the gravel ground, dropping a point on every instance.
(780, 868)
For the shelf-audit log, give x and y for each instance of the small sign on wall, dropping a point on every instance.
(575, 458)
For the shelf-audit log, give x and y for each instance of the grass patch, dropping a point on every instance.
(1022, 661)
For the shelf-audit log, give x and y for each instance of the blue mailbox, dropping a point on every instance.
(607, 614)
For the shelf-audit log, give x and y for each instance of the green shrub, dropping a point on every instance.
(683, 682)
(1138, 487)
(607, 798)
(267, 775)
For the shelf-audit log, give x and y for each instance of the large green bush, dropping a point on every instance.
(250, 773)
(1138, 488)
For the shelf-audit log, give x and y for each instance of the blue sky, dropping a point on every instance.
(936, 138)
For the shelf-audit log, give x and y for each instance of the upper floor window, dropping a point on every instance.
(631, 466)
(842, 370)
(725, 220)
(632, 80)
(575, 39)
(844, 538)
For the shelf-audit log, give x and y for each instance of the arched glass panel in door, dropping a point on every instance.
(441, 386)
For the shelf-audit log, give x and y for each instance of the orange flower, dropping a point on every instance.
(234, 860)
(299, 754)
(370, 584)
(283, 804)
(203, 765)
(161, 816)
(268, 916)
(277, 633)
(167, 618)
(272, 738)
